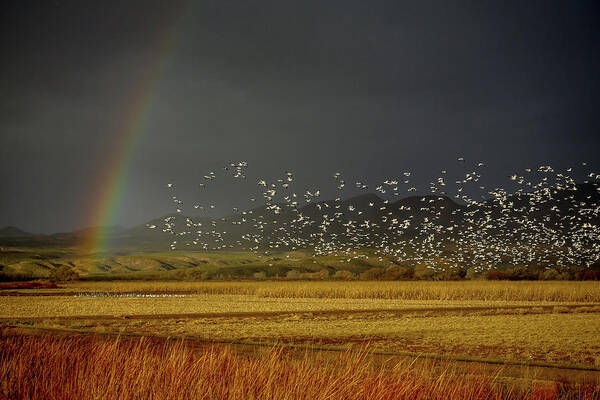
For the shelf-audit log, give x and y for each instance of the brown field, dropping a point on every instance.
(533, 332)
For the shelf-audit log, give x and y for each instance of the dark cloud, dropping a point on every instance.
(368, 88)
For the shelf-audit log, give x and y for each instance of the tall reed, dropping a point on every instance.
(48, 367)
(551, 291)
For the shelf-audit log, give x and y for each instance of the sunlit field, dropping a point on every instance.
(491, 339)
(550, 291)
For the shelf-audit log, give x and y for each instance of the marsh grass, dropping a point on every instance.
(539, 291)
(48, 367)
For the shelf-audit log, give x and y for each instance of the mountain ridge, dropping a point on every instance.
(269, 219)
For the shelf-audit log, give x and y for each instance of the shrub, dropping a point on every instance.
(261, 275)
(206, 275)
(293, 274)
(551, 275)
(27, 285)
(450, 274)
(589, 274)
(496, 275)
(396, 272)
(519, 273)
(344, 275)
(319, 275)
(64, 273)
(423, 272)
(472, 274)
(372, 274)
(15, 277)
(195, 274)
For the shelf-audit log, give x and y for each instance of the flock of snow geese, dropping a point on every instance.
(545, 218)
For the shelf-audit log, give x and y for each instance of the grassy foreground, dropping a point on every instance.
(48, 367)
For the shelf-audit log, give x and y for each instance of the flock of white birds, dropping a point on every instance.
(546, 218)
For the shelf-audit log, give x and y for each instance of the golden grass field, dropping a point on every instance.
(36, 368)
(538, 291)
(551, 326)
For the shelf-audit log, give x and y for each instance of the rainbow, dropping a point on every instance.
(131, 125)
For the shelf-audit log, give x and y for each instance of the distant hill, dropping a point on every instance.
(302, 224)
(13, 232)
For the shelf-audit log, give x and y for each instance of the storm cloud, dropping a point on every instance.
(370, 89)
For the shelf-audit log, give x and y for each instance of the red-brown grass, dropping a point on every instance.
(28, 285)
(49, 367)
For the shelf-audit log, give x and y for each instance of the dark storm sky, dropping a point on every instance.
(367, 88)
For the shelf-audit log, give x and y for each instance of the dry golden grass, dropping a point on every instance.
(474, 320)
(559, 339)
(471, 319)
(539, 291)
(54, 306)
(79, 368)
(556, 334)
